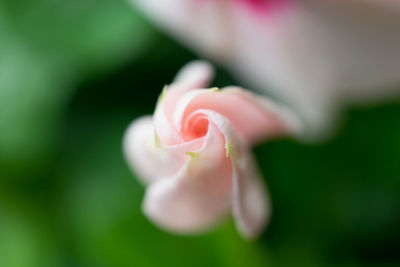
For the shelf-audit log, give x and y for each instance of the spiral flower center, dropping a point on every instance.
(198, 126)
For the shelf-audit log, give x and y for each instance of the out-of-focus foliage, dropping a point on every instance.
(73, 74)
(46, 48)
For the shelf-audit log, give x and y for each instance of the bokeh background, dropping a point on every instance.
(74, 73)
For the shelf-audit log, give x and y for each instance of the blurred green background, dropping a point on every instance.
(74, 73)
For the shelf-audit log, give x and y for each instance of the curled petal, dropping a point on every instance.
(165, 130)
(148, 157)
(250, 201)
(199, 195)
(194, 154)
(250, 205)
(196, 74)
(254, 117)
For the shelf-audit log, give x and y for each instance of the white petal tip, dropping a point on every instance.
(197, 74)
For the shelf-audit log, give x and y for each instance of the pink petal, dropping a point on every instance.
(164, 129)
(254, 117)
(199, 195)
(196, 74)
(251, 206)
(148, 157)
(261, 7)
(250, 202)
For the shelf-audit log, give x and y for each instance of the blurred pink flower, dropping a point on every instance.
(194, 154)
(316, 55)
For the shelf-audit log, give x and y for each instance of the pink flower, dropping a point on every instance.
(317, 55)
(194, 154)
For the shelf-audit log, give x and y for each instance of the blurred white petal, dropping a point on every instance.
(316, 55)
(196, 74)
